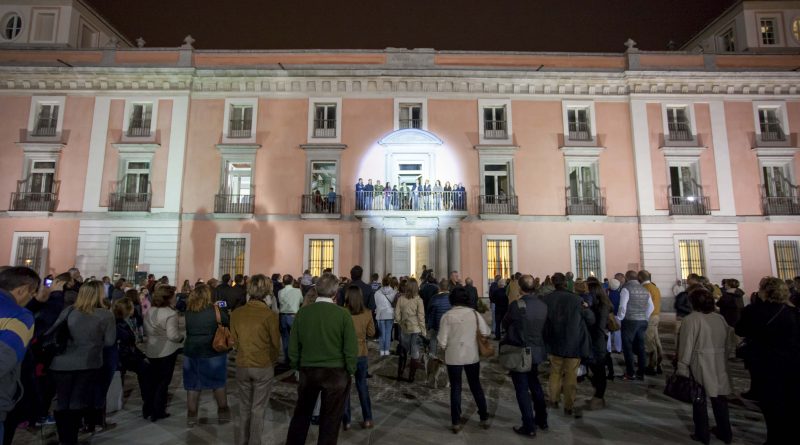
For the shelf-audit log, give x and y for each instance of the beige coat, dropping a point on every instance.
(703, 347)
(458, 335)
(410, 315)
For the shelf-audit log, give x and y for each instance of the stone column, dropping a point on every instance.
(380, 253)
(441, 246)
(455, 251)
(365, 250)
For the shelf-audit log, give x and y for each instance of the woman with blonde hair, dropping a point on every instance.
(78, 371)
(410, 315)
(164, 339)
(203, 367)
(261, 287)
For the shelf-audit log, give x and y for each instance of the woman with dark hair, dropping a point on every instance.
(364, 326)
(130, 357)
(772, 329)
(601, 307)
(702, 343)
(457, 337)
(384, 312)
(410, 315)
(164, 339)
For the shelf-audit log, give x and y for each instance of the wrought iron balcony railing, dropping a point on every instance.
(318, 203)
(27, 200)
(230, 203)
(593, 203)
(495, 129)
(781, 201)
(129, 201)
(411, 201)
(579, 131)
(498, 205)
(680, 131)
(139, 128)
(45, 127)
(410, 123)
(325, 128)
(772, 132)
(240, 128)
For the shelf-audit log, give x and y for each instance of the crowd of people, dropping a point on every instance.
(67, 339)
(421, 195)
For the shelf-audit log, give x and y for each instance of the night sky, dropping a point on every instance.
(497, 25)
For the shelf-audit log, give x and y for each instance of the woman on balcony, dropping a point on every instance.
(387, 197)
(448, 196)
(437, 195)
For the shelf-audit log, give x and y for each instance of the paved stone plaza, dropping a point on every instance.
(637, 413)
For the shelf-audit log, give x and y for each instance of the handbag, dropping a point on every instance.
(55, 340)
(485, 347)
(685, 389)
(517, 358)
(223, 340)
(613, 324)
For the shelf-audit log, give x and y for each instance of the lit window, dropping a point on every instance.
(323, 177)
(237, 188)
(588, 258)
(499, 258)
(768, 32)
(46, 120)
(320, 255)
(692, 258)
(410, 116)
(728, 39)
(12, 26)
(787, 259)
(232, 254)
(29, 252)
(796, 29)
(241, 124)
(325, 120)
(126, 256)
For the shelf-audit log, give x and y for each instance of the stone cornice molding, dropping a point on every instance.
(496, 150)
(775, 152)
(136, 147)
(42, 147)
(675, 151)
(323, 147)
(582, 151)
(238, 149)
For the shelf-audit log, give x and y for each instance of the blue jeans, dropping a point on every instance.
(385, 327)
(286, 327)
(473, 380)
(527, 386)
(633, 332)
(363, 393)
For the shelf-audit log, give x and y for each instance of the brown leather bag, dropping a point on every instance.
(223, 340)
(485, 347)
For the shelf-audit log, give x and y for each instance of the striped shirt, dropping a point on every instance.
(16, 329)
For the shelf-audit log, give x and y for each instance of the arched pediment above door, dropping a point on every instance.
(410, 136)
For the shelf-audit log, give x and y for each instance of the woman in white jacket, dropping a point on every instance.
(457, 337)
(164, 339)
(384, 313)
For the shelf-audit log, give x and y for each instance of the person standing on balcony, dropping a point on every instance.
(387, 197)
(448, 196)
(378, 195)
(331, 201)
(652, 342)
(395, 198)
(437, 194)
(368, 190)
(360, 194)
(427, 193)
(461, 197)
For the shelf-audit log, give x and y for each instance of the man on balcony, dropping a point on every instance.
(368, 190)
(378, 195)
(360, 194)
(331, 198)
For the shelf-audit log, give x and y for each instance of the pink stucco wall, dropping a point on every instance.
(62, 239)
(14, 115)
(755, 247)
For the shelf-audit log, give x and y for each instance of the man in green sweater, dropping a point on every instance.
(323, 347)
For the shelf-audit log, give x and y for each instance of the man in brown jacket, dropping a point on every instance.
(652, 342)
(256, 332)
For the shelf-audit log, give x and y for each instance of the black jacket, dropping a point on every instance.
(472, 291)
(730, 306)
(426, 291)
(682, 305)
(234, 296)
(366, 292)
(439, 304)
(598, 331)
(568, 322)
(534, 322)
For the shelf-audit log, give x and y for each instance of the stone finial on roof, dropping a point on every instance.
(187, 42)
(631, 44)
(140, 42)
(113, 42)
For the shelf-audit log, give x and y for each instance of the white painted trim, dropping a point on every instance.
(484, 103)
(573, 259)
(173, 189)
(782, 153)
(722, 160)
(411, 100)
(589, 105)
(45, 251)
(97, 154)
(592, 152)
(690, 113)
(485, 258)
(306, 243)
(56, 22)
(112, 244)
(331, 153)
(672, 152)
(36, 101)
(677, 238)
(312, 102)
(771, 244)
(494, 159)
(126, 117)
(779, 105)
(777, 17)
(229, 102)
(219, 236)
(642, 160)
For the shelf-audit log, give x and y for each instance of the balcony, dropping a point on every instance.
(593, 203)
(498, 205)
(579, 131)
(780, 201)
(693, 203)
(129, 201)
(229, 203)
(27, 200)
(322, 205)
(410, 123)
(495, 130)
(240, 128)
(772, 132)
(680, 132)
(139, 128)
(325, 128)
(45, 127)
(411, 201)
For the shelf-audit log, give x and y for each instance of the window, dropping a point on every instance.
(678, 125)
(46, 120)
(323, 177)
(769, 123)
(494, 122)
(410, 115)
(137, 177)
(126, 256)
(684, 181)
(140, 120)
(495, 180)
(499, 258)
(320, 256)
(41, 178)
(578, 124)
(12, 26)
(692, 257)
(241, 121)
(232, 256)
(582, 180)
(728, 40)
(785, 257)
(778, 180)
(29, 252)
(44, 26)
(769, 35)
(587, 257)
(88, 37)
(796, 29)
(325, 120)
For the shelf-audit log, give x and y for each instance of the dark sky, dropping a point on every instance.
(511, 25)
